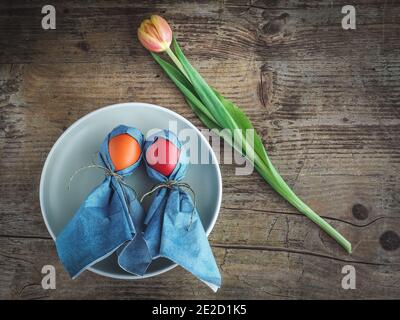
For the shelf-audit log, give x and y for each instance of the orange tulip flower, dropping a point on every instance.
(155, 34)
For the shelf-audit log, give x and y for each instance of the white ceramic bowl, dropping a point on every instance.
(75, 149)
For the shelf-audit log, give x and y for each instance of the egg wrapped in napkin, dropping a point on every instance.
(111, 215)
(173, 228)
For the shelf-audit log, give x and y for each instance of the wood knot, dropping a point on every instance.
(360, 212)
(390, 240)
(275, 25)
(83, 45)
(266, 88)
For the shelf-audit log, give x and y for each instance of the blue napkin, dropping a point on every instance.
(173, 227)
(109, 217)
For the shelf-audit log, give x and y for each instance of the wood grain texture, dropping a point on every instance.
(325, 101)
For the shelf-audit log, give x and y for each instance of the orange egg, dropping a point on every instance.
(124, 151)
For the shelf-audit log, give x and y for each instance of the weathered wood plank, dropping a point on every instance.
(284, 31)
(248, 273)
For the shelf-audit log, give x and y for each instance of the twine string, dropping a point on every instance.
(170, 184)
(107, 172)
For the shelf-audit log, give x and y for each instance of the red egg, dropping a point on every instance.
(162, 156)
(124, 151)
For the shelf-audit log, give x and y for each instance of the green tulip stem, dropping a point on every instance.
(270, 175)
(216, 112)
(177, 62)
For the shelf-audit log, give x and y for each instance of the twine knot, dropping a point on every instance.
(108, 172)
(170, 184)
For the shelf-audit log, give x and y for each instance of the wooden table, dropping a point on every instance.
(326, 102)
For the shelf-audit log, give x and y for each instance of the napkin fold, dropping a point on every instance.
(173, 228)
(109, 217)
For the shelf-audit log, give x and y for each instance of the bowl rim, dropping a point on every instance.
(124, 105)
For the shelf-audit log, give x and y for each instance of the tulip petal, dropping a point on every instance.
(151, 31)
(149, 42)
(163, 29)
